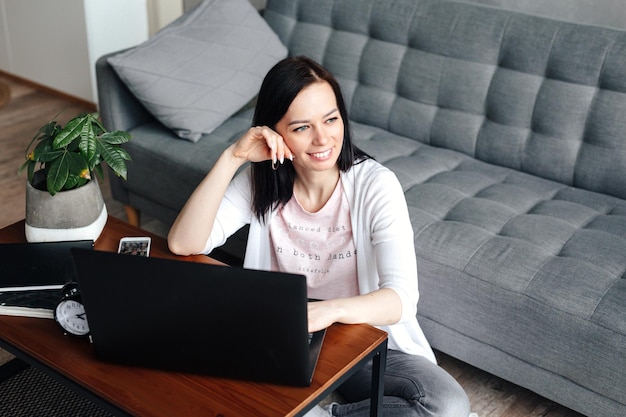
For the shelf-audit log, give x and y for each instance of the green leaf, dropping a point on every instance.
(31, 171)
(72, 181)
(81, 182)
(27, 164)
(44, 132)
(78, 166)
(42, 147)
(58, 171)
(114, 157)
(125, 155)
(72, 130)
(95, 119)
(66, 172)
(49, 130)
(47, 155)
(87, 144)
(115, 138)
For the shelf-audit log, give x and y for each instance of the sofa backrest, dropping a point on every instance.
(537, 95)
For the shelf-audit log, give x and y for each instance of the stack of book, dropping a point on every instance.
(30, 303)
(32, 276)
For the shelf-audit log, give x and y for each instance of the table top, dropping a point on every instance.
(150, 392)
(109, 239)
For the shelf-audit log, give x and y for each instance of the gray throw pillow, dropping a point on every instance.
(202, 68)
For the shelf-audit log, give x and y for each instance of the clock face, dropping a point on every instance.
(70, 314)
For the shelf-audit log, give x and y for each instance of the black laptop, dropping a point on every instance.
(38, 266)
(198, 318)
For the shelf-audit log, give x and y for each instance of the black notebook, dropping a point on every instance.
(33, 274)
(38, 266)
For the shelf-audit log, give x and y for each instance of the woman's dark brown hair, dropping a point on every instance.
(280, 87)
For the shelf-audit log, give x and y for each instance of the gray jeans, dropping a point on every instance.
(414, 386)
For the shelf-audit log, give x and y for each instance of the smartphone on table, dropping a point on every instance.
(139, 246)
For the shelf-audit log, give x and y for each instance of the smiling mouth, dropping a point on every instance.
(321, 155)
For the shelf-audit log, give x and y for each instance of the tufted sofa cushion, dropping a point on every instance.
(532, 94)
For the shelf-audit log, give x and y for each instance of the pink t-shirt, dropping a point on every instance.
(318, 245)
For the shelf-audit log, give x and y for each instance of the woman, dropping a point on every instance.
(319, 206)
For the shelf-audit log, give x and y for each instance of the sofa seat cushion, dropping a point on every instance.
(551, 259)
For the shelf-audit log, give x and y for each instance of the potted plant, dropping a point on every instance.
(63, 200)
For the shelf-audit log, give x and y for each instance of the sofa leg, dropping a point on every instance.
(132, 214)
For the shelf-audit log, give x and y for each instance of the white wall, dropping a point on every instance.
(56, 43)
(43, 45)
(162, 12)
(4, 38)
(113, 25)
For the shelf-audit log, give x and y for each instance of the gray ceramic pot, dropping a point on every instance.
(78, 214)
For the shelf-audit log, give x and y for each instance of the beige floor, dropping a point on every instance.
(5, 356)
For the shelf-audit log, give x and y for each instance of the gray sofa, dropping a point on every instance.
(508, 134)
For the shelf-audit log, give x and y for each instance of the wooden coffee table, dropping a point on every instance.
(124, 390)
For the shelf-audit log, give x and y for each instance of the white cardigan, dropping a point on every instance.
(382, 232)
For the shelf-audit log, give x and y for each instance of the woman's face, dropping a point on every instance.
(313, 128)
